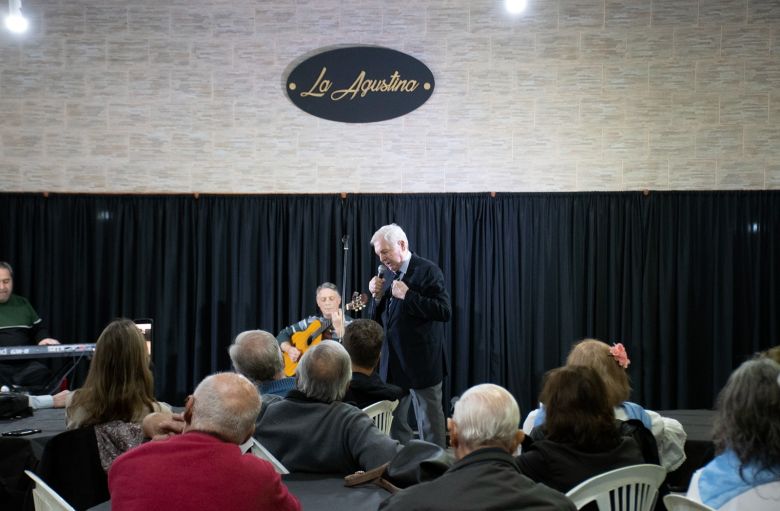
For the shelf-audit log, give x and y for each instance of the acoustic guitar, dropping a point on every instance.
(312, 336)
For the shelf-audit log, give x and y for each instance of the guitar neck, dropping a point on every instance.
(324, 325)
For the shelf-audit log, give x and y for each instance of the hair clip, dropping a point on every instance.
(618, 352)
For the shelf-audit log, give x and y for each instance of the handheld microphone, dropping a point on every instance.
(379, 271)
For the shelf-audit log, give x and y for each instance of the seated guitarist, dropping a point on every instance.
(329, 303)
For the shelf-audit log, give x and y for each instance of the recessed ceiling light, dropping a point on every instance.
(515, 6)
(15, 22)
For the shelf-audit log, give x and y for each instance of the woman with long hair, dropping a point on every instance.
(580, 436)
(611, 363)
(745, 474)
(119, 385)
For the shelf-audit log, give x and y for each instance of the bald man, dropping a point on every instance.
(203, 468)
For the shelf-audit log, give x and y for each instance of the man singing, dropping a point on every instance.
(411, 303)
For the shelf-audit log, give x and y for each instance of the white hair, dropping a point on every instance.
(324, 372)
(226, 404)
(486, 414)
(391, 233)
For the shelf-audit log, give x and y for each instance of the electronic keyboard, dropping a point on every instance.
(48, 351)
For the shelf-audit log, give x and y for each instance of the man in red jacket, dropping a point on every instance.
(203, 468)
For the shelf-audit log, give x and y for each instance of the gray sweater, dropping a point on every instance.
(312, 436)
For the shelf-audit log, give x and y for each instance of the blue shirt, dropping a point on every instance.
(277, 387)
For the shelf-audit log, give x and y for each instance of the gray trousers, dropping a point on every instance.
(429, 414)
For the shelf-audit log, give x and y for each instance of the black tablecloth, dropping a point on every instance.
(322, 492)
(328, 493)
(50, 422)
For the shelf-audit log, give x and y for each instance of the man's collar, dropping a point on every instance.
(297, 395)
(211, 434)
(486, 453)
(405, 264)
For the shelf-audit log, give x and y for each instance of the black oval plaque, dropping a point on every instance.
(360, 84)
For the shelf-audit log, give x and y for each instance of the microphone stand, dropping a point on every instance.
(345, 242)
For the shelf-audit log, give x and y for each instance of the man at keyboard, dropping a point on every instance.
(20, 325)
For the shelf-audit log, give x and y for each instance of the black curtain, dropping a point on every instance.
(686, 280)
(85, 260)
(259, 261)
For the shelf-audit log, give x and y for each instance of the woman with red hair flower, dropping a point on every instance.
(611, 362)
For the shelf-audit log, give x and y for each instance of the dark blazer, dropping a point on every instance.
(486, 479)
(413, 352)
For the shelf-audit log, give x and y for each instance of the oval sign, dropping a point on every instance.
(360, 84)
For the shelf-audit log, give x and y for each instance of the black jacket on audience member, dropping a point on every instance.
(366, 390)
(485, 479)
(563, 466)
(70, 464)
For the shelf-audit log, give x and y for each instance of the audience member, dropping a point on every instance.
(20, 325)
(483, 433)
(311, 430)
(363, 341)
(581, 436)
(119, 384)
(611, 362)
(203, 468)
(745, 474)
(256, 355)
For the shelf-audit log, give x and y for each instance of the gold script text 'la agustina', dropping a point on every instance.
(361, 85)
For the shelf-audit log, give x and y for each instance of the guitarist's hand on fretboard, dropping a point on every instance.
(337, 319)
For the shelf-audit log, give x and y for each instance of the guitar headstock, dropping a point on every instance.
(358, 302)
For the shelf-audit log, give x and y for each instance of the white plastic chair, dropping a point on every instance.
(381, 413)
(45, 498)
(264, 454)
(633, 488)
(683, 503)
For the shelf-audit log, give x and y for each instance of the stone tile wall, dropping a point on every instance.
(110, 96)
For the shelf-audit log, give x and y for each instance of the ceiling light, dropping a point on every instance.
(15, 22)
(515, 6)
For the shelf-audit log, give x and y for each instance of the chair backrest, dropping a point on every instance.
(381, 413)
(45, 498)
(264, 454)
(683, 503)
(632, 488)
